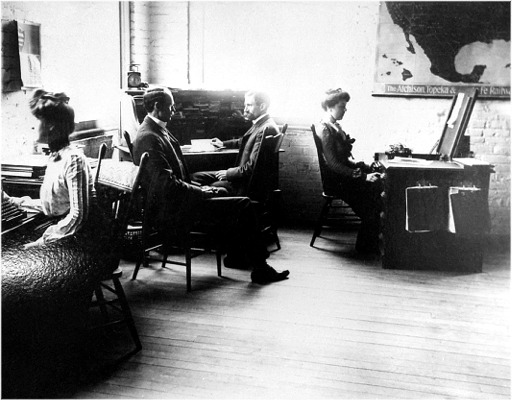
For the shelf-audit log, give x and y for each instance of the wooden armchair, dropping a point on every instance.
(118, 185)
(334, 210)
(263, 188)
(176, 245)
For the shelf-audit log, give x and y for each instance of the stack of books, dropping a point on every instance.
(28, 169)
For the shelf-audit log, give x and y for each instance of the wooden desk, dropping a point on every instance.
(32, 219)
(203, 160)
(436, 250)
(199, 161)
(210, 160)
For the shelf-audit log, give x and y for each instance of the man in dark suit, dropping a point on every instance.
(235, 179)
(182, 202)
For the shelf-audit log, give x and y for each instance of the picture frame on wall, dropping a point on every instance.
(29, 42)
(11, 71)
(437, 49)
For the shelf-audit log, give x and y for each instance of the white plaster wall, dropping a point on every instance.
(80, 52)
(159, 41)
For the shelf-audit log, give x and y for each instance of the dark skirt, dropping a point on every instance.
(46, 293)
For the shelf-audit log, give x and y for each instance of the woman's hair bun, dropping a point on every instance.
(42, 100)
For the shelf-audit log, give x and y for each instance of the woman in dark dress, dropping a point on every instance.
(354, 182)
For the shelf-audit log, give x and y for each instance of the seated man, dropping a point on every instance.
(181, 202)
(236, 179)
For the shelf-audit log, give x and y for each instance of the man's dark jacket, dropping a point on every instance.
(249, 146)
(167, 180)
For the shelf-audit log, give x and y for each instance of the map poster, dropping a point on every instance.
(29, 42)
(436, 49)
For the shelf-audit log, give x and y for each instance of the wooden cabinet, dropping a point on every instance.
(202, 114)
(438, 249)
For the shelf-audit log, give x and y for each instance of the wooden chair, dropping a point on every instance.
(129, 125)
(263, 187)
(125, 152)
(334, 210)
(128, 141)
(118, 184)
(174, 245)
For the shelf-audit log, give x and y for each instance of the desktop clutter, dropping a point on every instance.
(398, 150)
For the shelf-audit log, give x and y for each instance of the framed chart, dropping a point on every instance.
(441, 48)
(29, 42)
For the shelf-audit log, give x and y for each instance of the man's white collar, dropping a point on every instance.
(259, 118)
(160, 123)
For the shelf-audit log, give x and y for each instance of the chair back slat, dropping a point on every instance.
(101, 154)
(119, 185)
(325, 173)
(128, 141)
(264, 178)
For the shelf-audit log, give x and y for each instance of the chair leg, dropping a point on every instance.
(276, 239)
(218, 256)
(165, 254)
(101, 303)
(127, 313)
(142, 260)
(275, 208)
(136, 269)
(319, 224)
(188, 266)
(145, 262)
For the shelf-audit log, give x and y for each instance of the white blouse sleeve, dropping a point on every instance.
(26, 203)
(77, 186)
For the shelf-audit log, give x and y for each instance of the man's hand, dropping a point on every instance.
(237, 114)
(210, 191)
(373, 177)
(221, 175)
(38, 243)
(217, 143)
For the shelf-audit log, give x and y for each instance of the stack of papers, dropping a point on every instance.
(199, 146)
(409, 160)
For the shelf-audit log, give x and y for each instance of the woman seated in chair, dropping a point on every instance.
(48, 275)
(354, 182)
(67, 192)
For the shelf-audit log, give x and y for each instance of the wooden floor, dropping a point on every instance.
(340, 327)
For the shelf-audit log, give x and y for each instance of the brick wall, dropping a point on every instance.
(300, 180)
(140, 36)
(489, 132)
(299, 176)
(159, 41)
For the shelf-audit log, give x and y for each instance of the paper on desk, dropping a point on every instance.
(199, 146)
(423, 209)
(409, 160)
(468, 211)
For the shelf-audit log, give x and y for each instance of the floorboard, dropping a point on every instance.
(341, 327)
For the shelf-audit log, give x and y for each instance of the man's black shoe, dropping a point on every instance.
(267, 274)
